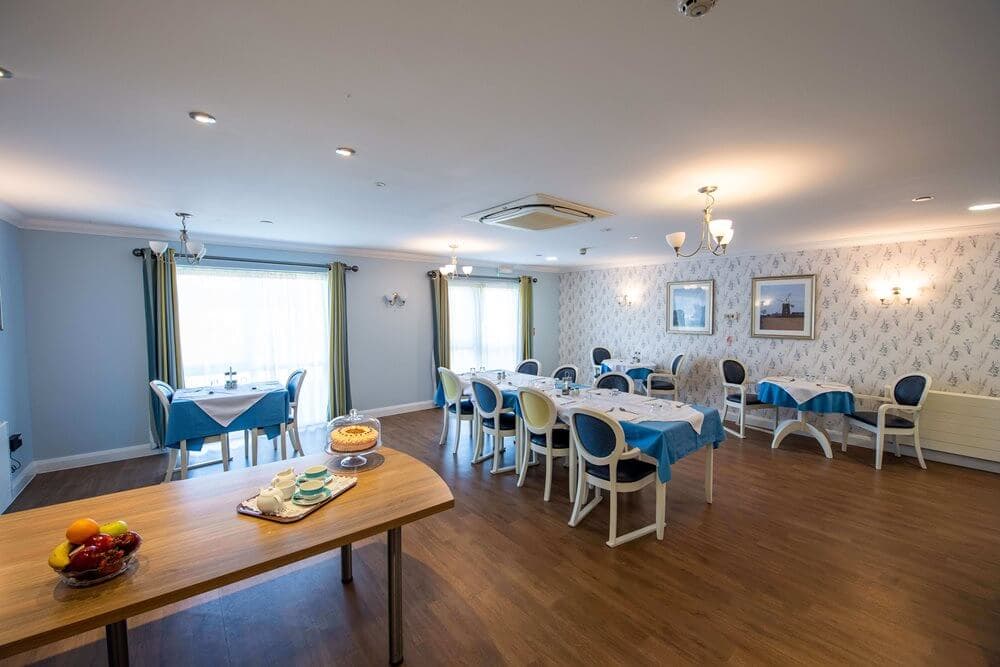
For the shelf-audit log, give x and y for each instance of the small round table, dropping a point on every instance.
(804, 396)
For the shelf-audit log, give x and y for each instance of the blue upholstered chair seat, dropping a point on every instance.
(507, 421)
(629, 470)
(466, 404)
(560, 438)
(662, 384)
(751, 399)
(871, 418)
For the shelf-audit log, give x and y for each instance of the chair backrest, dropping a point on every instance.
(451, 384)
(615, 380)
(598, 438)
(294, 385)
(529, 367)
(486, 397)
(537, 410)
(732, 371)
(566, 372)
(599, 354)
(164, 392)
(675, 365)
(911, 389)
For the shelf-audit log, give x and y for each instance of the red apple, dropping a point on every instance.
(102, 541)
(85, 558)
(128, 542)
(111, 562)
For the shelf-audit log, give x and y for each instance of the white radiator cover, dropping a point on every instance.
(962, 424)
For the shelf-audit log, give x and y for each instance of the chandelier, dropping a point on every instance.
(715, 234)
(194, 251)
(451, 269)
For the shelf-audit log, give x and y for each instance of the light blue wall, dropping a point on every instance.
(14, 401)
(87, 326)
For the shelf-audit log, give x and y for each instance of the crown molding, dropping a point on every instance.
(11, 215)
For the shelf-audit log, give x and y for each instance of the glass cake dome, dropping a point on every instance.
(351, 436)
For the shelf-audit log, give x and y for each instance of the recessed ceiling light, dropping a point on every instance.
(633, 237)
(6, 73)
(202, 117)
(268, 222)
(984, 207)
(922, 198)
(345, 151)
(551, 258)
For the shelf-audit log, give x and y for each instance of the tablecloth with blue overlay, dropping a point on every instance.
(835, 402)
(189, 422)
(638, 374)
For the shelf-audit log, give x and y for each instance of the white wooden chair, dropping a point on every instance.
(165, 393)
(615, 380)
(598, 355)
(906, 395)
(734, 378)
(605, 462)
(455, 404)
(666, 383)
(544, 435)
(529, 367)
(492, 420)
(566, 372)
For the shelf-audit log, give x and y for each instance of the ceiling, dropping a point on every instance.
(818, 120)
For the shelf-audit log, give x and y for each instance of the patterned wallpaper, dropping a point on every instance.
(950, 331)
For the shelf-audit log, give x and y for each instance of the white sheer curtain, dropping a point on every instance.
(483, 322)
(263, 323)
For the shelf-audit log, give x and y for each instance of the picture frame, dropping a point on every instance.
(783, 307)
(691, 307)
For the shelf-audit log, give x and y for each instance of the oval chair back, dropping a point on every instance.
(911, 389)
(615, 380)
(566, 372)
(294, 386)
(451, 384)
(675, 365)
(165, 393)
(732, 371)
(538, 410)
(597, 438)
(487, 398)
(599, 354)
(529, 367)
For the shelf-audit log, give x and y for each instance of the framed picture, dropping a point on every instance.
(784, 307)
(691, 307)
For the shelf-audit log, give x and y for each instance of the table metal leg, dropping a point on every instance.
(346, 568)
(117, 639)
(395, 544)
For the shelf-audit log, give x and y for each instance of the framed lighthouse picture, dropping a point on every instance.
(784, 307)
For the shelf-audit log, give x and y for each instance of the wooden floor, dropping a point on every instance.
(799, 560)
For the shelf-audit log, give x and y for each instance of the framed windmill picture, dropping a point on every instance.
(691, 306)
(784, 307)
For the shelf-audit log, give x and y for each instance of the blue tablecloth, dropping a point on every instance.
(637, 374)
(189, 422)
(830, 402)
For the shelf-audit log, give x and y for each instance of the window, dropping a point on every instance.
(483, 321)
(263, 323)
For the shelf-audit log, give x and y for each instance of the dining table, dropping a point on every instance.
(805, 395)
(636, 370)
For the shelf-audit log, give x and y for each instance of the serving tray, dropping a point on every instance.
(338, 484)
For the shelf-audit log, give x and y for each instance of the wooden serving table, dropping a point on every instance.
(194, 541)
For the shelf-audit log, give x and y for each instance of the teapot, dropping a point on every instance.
(269, 501)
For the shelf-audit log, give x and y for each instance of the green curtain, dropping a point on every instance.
(527, 318)
(340, 382)
(163, 340)
(442, 336)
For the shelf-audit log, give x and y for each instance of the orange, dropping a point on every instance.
(81, 529)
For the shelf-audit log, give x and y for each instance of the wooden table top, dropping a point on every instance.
(193, 541)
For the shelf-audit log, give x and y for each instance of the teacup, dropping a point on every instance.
(316, 472)
(269, 501)
(285, 486)
(311, 488)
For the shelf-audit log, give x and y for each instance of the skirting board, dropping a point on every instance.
(93, 458)
(400, 409)
(860, 439)
(20, 483)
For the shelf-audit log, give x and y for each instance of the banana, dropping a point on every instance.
(59, 558)
(115, 528)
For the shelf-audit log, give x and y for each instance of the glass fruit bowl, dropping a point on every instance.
(351, 436)
(110, 566)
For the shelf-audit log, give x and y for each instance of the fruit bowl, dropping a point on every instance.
(98, 575)
(93, 553)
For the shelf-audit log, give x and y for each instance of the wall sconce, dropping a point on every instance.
(624, 301)
(888, 295)
(396, 300)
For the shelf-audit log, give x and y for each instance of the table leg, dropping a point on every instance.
(284, 447)
(346, 568)
(709, 471)
(800, 425)
(395, 545)
(116, 635)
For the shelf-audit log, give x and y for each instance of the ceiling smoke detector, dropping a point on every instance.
(694, 8)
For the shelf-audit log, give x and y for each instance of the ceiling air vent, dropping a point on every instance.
(537, 213)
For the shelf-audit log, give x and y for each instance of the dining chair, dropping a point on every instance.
(250, 436)
(455, 404)
(599, 355)
(734, 377)
(615, 380)
(165, 393)
(660, 383)
(566, 372)
(529, 367)
(495, 421)
(906, 395)
(606, 462)
(545, 435)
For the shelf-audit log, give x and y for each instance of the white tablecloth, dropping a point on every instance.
(625, 366)
(225, 405)
(630, 407)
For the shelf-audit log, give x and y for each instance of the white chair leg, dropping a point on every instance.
(709, 472)
(523, 467)
(225, 452)
(296, 439)
(253, 447)
(743, 413)
(548, 473)
(879, 446)
(282, 435)
(916, 447)
(444, 425)
(661, 508)
(184, 459)
(171, 463)
(572, 472)
(458, 433)
(613, 521)
(845, 429)
(581, 496)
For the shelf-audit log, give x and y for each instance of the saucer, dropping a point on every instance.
(302, 478)
(297, 499)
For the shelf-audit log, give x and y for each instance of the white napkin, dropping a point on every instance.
(803, 390)
(225, 405)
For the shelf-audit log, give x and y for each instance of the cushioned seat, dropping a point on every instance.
(507, 421)
(560, 438)
(891, 421)
(662, 384)
(751, 399)
(466, 404)
(629, 470)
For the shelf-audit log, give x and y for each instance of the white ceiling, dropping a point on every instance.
(817, 119)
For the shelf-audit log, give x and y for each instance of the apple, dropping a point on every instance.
(128, 542)
(85, 558)
(111, 562)
(101, 541)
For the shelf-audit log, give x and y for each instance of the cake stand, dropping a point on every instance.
(351, 460)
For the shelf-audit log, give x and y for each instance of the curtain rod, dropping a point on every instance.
(433, 274)
(138, 253)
